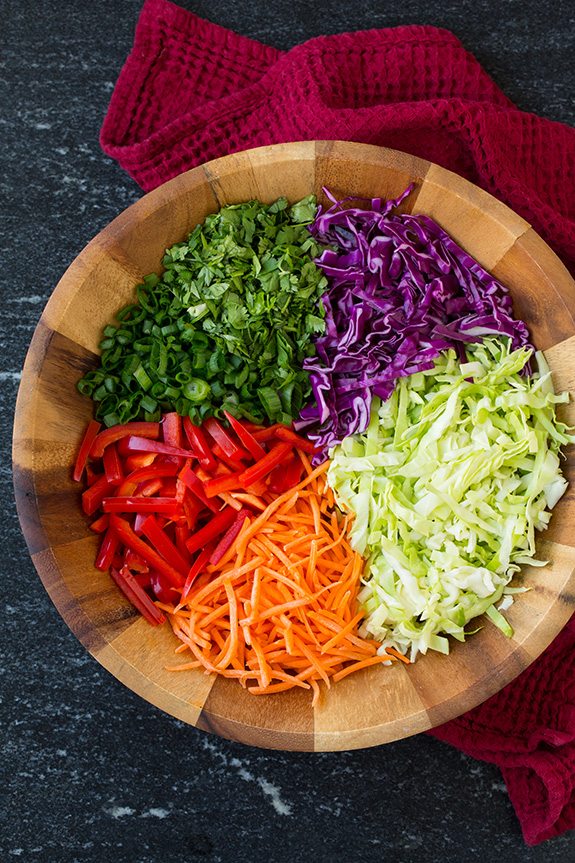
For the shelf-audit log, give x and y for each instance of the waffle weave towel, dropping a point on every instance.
(191, 91)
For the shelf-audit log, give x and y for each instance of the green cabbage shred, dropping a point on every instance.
(455, 473)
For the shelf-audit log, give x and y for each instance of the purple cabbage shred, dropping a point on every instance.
(400, 291)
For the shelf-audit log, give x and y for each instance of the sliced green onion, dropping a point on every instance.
(196, 390)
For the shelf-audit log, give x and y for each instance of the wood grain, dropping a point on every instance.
(378, 704)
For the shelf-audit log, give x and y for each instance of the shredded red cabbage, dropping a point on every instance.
(401, 290)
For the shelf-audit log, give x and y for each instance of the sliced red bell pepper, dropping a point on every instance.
(137, 596)
(266, 434)
(221, 470)
(163, 544)
(135, 443)
(228, 445)
(163, 590)
(180, 490)
(254, 448)
(151, 487)
(87, 443)
(172, 430)
(135, 461)
(143, 579)
(112, 464)
(182, 532)
(107, 550)
(139, 519)
(167, 505)
(225, 461)
(196, 486)
(169, 488)
(196, 569)
(277, 455)
(192, 509)
(115, 433)
(229, 536)
(101, 523)
(219, 484)
(289, 436)
(199, 444)
(130, 539)
(134, 562)
(285, 476)
(92, 475)
(133, 480)
(212, 530)
(279, 431)
(94, 495)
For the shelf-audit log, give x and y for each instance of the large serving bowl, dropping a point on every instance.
(378, 704)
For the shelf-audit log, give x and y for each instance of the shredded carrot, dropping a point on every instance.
(279, 610)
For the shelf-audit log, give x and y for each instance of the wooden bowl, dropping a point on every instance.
(375, 705)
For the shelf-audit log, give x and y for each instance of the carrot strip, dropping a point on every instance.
(393, 652)
(279, 609)
(371, 660)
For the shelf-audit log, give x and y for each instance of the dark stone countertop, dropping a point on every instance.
(89, 771)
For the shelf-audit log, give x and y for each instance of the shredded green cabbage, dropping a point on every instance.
(454, 474)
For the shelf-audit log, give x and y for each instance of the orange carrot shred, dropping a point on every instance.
(279, 610)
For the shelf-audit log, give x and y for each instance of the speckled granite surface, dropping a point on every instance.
(90, 772)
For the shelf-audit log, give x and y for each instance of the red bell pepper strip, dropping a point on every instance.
(112, 465)
(182, 532)
(196, 486)
(133, 480)
(172, 429)
(87, 442)
(143, 579)
(198, 565)
(254, 448)
(212, 530)
(192, 509)
(152, 486)
(199, 444)
(224, 460)
(101, 523)
(130, 539)
(224, 440)
(92, 475)
(285, 476)
(219, 484)
(139, 519)
(135, 443)
(267, 434)
(168, 505)
(163, 590)
(163, 544)
(135, 461)
(134, 562)
(278, 454)
(115, 433)
(180, 490)
(279, 431)
(289, 436)
(137, 596)
(92, 498)
(107, 550)
(229, 536)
